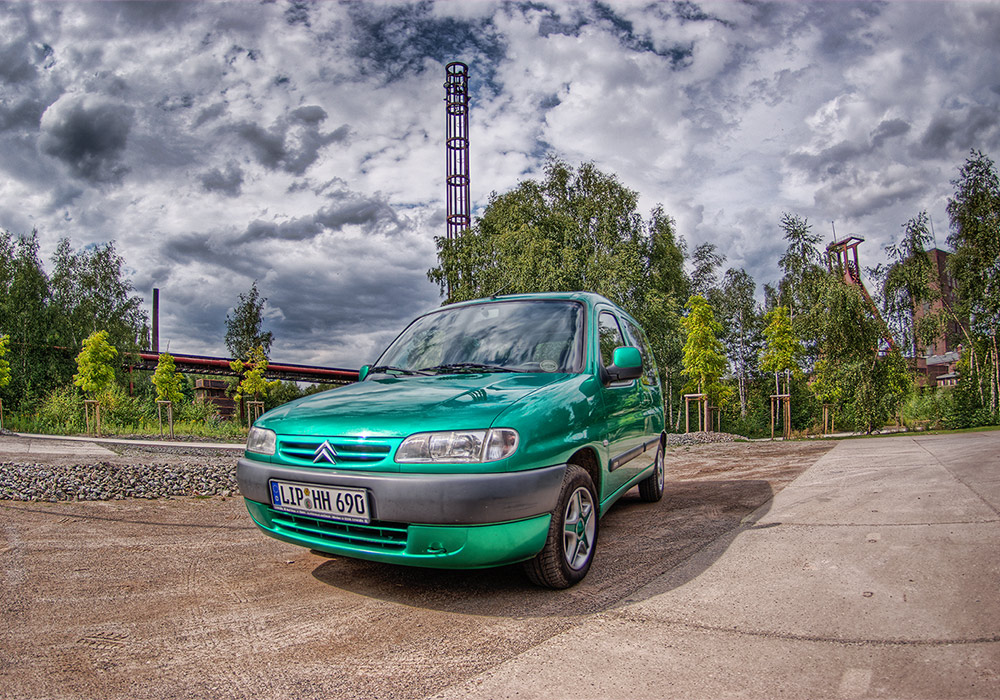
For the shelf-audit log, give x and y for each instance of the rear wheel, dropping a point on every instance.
(572, 538)
(651, 488)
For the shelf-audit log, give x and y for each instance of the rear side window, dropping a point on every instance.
(638, 339)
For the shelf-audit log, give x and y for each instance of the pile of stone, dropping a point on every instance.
(700, 438)
(105, 481)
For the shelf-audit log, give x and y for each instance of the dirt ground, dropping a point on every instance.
(185, 598)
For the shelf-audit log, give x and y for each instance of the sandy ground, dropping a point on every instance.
(185, 598)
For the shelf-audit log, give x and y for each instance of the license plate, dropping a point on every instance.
(320, 501)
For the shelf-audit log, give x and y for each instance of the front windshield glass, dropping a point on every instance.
(516, 336)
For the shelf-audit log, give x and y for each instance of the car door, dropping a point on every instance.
(624, 418)
(652, 392)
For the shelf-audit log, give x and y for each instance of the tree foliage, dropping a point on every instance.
(95, 364)
(800, 286)
(906, 283)
(90, 291)
(704, 356)
(167, 380)
(576, 230)
(975, 266)
(244, 329)
(782, 348)
(741, 329)
(705, 277)
(47, 319)
(4, 364)
(867, 387)
(26, 318)
(801, 264)
(251, 371)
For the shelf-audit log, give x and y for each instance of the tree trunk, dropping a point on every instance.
(741, 382)
(670, 399)
(995, 383)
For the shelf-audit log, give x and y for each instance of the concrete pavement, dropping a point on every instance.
(876, 573)
(25, 445)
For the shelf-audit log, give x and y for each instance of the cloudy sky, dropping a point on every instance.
(300, 144)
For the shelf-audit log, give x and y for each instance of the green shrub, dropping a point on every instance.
(60, 411)
(927, 408)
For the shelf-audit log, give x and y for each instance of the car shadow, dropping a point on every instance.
(638, 543)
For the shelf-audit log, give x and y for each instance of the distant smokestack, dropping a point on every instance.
(458, 210)
(156, 321)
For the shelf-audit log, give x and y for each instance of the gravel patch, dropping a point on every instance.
(106, 481)
(701, 438)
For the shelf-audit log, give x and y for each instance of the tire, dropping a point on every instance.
(651, 488)
(572, 539)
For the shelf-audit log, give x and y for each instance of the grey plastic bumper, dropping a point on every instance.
(442, 499)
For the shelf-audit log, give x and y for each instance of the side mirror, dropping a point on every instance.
(363, 372)
(626, 364)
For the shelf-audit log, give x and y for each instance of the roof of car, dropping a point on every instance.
(589, 297)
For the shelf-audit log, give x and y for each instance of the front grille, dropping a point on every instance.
(389, 537)
(348, 451)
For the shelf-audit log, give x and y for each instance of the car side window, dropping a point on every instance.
(610, 336)
(638, 339)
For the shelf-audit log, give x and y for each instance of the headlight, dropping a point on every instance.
(459, 446)
(261, 441)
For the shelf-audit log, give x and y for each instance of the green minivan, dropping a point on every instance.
(489, 432)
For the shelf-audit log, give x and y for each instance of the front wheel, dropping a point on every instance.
(569, 547)
(651, 488)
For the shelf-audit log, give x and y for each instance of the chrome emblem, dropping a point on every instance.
(325, 453)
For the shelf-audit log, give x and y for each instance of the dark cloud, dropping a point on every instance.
(832, 162)
(374, 216)
(209, 113)
(390, 41)
(310, 114)
(888, 129)
(25, 114)
(360, 295)
(143, 16)
(951, 131)
(89, 135)
(297, 12)
(292, 143)
(172, 103)
(16, 63)
(228, 182)
(860, 195)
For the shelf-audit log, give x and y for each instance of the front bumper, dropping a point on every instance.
(433, 499)
(458, 521)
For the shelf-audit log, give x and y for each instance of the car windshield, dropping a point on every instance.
(511, 336)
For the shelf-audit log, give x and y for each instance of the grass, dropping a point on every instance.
(218, 430)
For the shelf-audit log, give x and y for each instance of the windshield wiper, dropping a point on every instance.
(383, 369)
(469, 367)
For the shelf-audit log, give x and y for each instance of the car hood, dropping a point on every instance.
(400, 406)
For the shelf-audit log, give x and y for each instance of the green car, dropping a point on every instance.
(490, 432)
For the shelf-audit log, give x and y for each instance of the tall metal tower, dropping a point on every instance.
(456, 89)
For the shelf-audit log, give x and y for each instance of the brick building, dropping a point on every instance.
(213, 391)
(951, 338)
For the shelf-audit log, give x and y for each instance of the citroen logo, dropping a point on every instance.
(325, 453)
